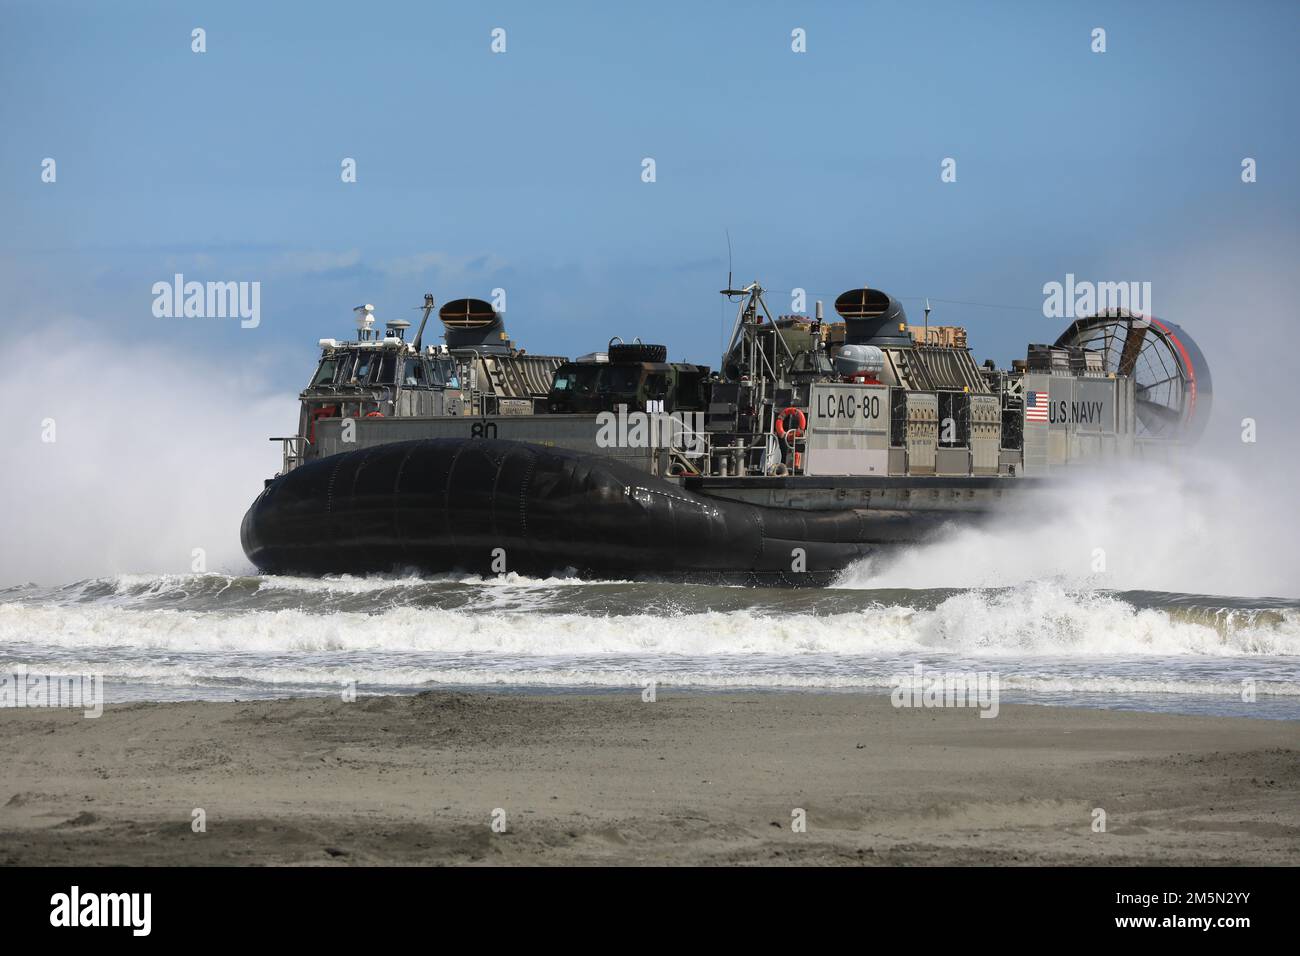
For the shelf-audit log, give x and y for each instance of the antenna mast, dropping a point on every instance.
(728, 258)
(428, 308)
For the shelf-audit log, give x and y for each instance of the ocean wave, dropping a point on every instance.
(373, 677)
(1038, 619)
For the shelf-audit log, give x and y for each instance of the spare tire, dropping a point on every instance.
(638, 353)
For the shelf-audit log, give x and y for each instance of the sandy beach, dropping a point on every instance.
(609, 779)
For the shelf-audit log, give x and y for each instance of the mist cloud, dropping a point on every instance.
(157, 451)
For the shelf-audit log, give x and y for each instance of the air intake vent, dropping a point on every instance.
(467, 314)
(862, 304)
(872, 317)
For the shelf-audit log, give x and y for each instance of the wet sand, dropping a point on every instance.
(608, 779)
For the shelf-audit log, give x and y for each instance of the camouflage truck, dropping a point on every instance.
(635, 375)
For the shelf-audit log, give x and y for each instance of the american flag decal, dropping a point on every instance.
(1036, 407)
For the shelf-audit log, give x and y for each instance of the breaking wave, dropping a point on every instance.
(230, 636)
(556, 615)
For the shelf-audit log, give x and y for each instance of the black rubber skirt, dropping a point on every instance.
(488, 506)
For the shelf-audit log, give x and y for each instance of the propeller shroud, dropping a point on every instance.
(1171, 379)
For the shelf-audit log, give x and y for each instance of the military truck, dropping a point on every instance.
(636, 375)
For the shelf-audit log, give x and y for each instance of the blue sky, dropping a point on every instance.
(522, 170)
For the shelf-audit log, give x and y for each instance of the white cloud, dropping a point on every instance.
(314, 262)
(446, 268)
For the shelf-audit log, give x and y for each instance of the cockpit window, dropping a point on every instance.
(387, 372)
(414, 373)
(816, 362)
(445, 372)
(362, 371)
(325, 373)
(344, 373)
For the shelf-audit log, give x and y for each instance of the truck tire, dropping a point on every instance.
(638, 353)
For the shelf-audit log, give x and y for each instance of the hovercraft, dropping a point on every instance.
(814, 445)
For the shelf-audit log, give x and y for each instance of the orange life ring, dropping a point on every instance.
(779, 427)
(374, 415)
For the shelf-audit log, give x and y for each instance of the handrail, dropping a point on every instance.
(293, 450)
